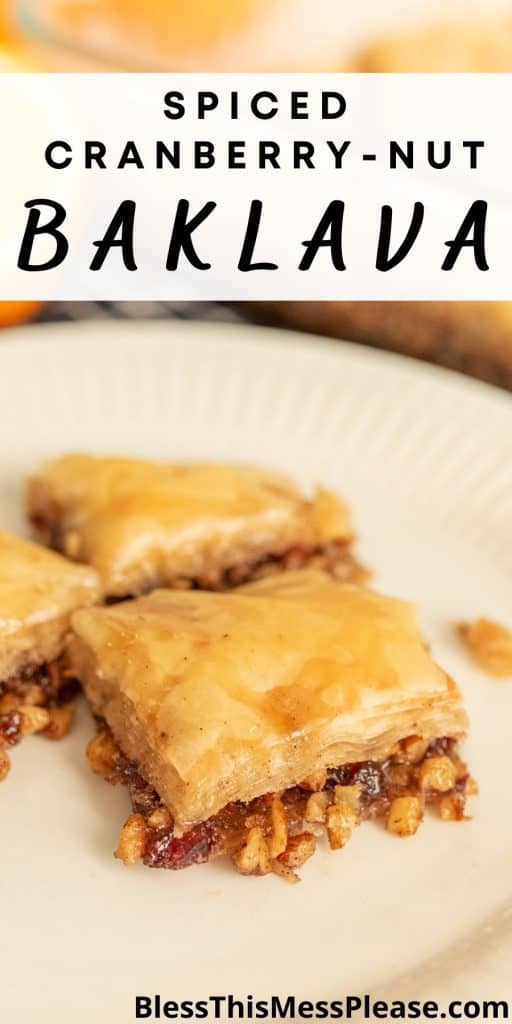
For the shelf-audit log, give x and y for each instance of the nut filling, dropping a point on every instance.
(276, 833)
(334, 557)
(38, 700)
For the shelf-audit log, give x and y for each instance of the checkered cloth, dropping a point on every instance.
(213, 311)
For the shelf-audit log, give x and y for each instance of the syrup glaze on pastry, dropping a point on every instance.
(218, 700)
(144, 524)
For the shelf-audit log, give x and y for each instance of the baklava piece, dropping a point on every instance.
(39, 591)
(250, 723)
(144, 525)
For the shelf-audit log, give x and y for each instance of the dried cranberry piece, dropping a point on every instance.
(460, 785)
(10, 727)
(367, 774)
(164, 850)
(68, 692)
(444, 747)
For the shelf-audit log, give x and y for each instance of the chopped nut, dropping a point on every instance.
(315, 782)
(5, 763)
(452, 806)
(161, 818)
(254, 857)
(490, 644)
(341, 820)
(351, 796)
(405, 815)
(316, 808)
(29, 693)
(287, 874)
(34, 694)
(60, 722)
(101, 752)
(399, 774)
(279, 837)
(33, 719)
(411, 750)
(437, 774)
(10, 702)
(299, 849)
(132, 840)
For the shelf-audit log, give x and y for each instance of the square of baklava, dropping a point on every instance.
(39, 591)
(244, 721)
(145, 524)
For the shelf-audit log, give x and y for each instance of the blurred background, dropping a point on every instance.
(283, 35)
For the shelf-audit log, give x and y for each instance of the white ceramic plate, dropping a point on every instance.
(425, 459)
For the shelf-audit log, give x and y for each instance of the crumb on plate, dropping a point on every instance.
(490, 644)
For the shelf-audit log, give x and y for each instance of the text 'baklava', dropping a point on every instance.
(248, 722)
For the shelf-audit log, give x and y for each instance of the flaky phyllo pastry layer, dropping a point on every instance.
(144, 524)
(293, 685)
(39, 590)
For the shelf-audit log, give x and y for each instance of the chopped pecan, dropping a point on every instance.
(315, 782)
(437, 774)
(60, 722)
(160, 818)
(279, 836)
(285, 873)
(10, 702)
(341, 820)
(299, 849)
(132, 840)
(351, 797)
(33, 719)
(452, 806)
(316, 808)
(405, 815)
(101, 753)
(254, 857)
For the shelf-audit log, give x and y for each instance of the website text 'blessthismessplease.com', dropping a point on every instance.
(288, 1007)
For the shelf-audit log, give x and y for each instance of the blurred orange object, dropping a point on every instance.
(12, 313)
(15, 51)
(6, 19)
(169, 27)
(165, 34)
